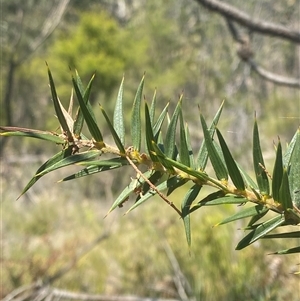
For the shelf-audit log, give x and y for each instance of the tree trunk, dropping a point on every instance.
(8, 116)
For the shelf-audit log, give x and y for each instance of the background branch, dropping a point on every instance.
(45, 293)
(183, 287)
(274, 78)
(85, 249)
(245, 52)
(244, 19)
(50, 24)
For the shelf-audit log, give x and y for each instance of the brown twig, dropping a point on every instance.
(153, 187)
(265, 170)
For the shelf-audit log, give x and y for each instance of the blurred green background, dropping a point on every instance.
(182, 47)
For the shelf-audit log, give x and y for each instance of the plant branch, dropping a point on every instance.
(153, 187)
(244, 19)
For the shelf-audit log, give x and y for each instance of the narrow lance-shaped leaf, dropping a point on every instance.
(248, 180)
(203, 155)
(189, 145)
(162, 186)
(79, 119)
(294, 234)
(219, 151)
(79, 82)
(52, 161)
(149, 134)
(154, 179)
(71, 103)
(252, 211)
(185, 209)
(94, 167)
(113, 132)
(152, 107)
(277, 173)
(134, 185)
(89, 117)
(70, 160)
(218, 198)
(160, 141)
(159, 122)
(113, 161)
(284, 192)
(290, 149)
(180, 183)
(57, 107)
(136, 123)
(171, 164)
(256, 218)
(216, 160)
(288, 251)
(161, 157)
(184, 148)
(232, 168)
(68, 118)
(260, 231)
(44, 135)
(85, 95)
(294, 175)
(118, 120)
(171, 131)
(258, 162)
